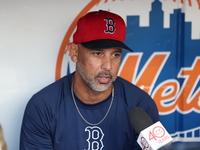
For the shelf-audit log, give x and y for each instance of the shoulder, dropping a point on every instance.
(52, 95)
(128, 88)
(59, 87)
(133, 96)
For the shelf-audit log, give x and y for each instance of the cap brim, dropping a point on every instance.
(104, 44)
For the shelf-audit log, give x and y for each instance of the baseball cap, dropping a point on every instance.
(101, 30)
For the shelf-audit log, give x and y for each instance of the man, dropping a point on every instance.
(88, 109)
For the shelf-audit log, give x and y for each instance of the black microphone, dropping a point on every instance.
(152, 136)
(139, 119)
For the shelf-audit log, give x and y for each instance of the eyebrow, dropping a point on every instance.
(120, 50)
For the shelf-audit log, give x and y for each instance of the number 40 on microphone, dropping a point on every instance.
(154, 137)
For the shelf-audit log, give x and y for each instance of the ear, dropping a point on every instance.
(73, 51)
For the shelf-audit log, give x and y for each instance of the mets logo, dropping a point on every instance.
(166, 58)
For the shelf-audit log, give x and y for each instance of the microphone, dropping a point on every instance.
(2, 141)
(152, 136)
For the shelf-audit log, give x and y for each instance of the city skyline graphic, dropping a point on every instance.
(183, 51)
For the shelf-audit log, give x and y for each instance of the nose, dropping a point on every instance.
(107, 63)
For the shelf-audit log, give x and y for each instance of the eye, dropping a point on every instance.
(117, 55)
(98, 54)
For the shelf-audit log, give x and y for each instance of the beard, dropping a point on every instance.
(92, 82)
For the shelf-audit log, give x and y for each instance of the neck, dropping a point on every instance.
(86, 94)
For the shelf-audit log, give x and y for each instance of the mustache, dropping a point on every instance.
(105, 73)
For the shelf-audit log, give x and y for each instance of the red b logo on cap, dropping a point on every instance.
(110, 24)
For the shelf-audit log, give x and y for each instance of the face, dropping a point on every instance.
(98, 68)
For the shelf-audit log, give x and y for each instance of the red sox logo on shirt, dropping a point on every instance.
(95, 137)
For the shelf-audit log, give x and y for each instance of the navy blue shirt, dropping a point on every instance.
(52, 122)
